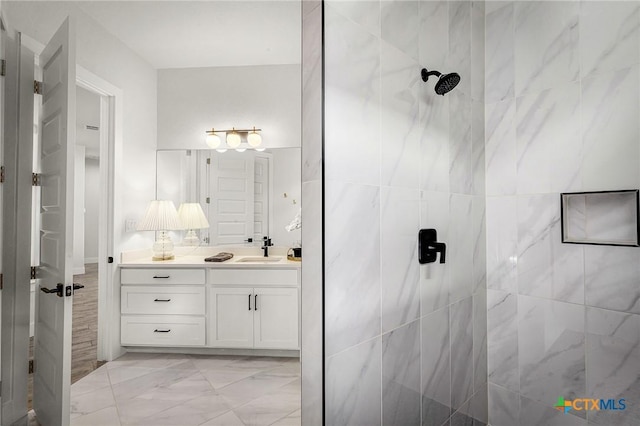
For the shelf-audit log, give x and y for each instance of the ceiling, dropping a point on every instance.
(186, 34)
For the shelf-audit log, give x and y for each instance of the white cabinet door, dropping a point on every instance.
(275, 318)
(231, 317)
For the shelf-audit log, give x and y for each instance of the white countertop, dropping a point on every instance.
(194, 256)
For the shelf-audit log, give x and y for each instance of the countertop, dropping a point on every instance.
(194, 256)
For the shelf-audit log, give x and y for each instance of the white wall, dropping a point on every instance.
(193, 100)
(91, 206)
(104, 55)
(286, 180)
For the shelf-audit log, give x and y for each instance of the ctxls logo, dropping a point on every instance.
(590, 404)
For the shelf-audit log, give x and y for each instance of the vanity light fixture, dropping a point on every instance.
(161, 215)
(234, 139)
(192, 217)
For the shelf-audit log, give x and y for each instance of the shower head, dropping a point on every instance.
(446, 82)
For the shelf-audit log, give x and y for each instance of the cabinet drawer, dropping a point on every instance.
(161, 276)
(252, 277)
(172, 300)
(165, 330)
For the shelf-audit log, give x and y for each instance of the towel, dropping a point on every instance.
(220, 257)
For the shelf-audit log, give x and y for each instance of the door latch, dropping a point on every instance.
(58, 291)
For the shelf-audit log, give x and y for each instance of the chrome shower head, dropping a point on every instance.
(445, 83)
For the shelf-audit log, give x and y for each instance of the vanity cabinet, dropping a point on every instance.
(210, 307)
(259, 317)
(253, 308)
(163, 307)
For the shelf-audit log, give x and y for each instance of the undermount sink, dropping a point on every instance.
(260, 259)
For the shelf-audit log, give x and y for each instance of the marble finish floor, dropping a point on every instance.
(189, 390)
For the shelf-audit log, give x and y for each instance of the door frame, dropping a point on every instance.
(111, 119)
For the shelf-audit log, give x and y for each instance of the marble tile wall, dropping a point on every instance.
(406, 344)
(312, 361)
(562, 95)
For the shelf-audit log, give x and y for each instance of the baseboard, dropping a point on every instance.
(78, 271)
(90, 260)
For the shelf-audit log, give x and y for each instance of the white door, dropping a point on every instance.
(52, 377)
(275, 318)
(231, 322)
(231, 211)
(261, 198)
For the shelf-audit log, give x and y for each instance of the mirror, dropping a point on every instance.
(244, 195)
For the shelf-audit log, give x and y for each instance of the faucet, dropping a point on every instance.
(267, 244)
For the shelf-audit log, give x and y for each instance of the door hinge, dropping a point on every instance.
(208, 200)
(36, 179)
(32, 366)
(34, 272)
(37, 87)
(1, 281)
(208, 160)
(1, 174)
(3, 67)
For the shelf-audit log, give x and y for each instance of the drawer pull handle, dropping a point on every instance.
(162, 300)
(255, 303)
(161, 276)
(249, 302)
(161, 331)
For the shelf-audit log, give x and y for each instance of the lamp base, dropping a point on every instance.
(163, 247)
(191, 239)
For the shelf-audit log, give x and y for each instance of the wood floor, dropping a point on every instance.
(84, 340)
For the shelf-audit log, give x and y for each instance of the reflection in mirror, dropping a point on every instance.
(244, 195)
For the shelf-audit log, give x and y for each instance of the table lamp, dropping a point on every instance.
(192, 217)
(161, 216)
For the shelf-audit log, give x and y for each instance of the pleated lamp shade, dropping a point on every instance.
(192, 217)
(161, 215)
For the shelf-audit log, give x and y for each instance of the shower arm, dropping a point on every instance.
(426, 74)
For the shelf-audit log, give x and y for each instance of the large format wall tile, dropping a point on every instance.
(352, 265)
(478, 172)
(434, 142)
(353, 390)
(434, 277)
(400, 147)
(459, 59)
(461, 318)
(400, 270)
(352, 101)
(550, 340)
(401, 376)
(436, 368)
(477, 51)
(362, 12)
(480, 371)
(479, 234)
(533, 413)
(312, 95)
(400, 23)
(549, 144)
(500, 61)
(611, 130)
(609, 36)
(434, 34)
(504, 407)
(612, 278)
(500, 154)
(548, 58)
(502, 339)
(536, 216)
(613, 357)
(460, 144)
(460, 247)
(502, 244)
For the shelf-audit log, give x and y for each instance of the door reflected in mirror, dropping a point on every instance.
(244, 195)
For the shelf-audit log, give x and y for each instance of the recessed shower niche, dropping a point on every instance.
(600, 217)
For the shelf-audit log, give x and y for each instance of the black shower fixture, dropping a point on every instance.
(445, 83)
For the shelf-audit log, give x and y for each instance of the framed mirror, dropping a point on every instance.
(244, 195)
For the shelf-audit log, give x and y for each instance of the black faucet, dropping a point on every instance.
(267, 244)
